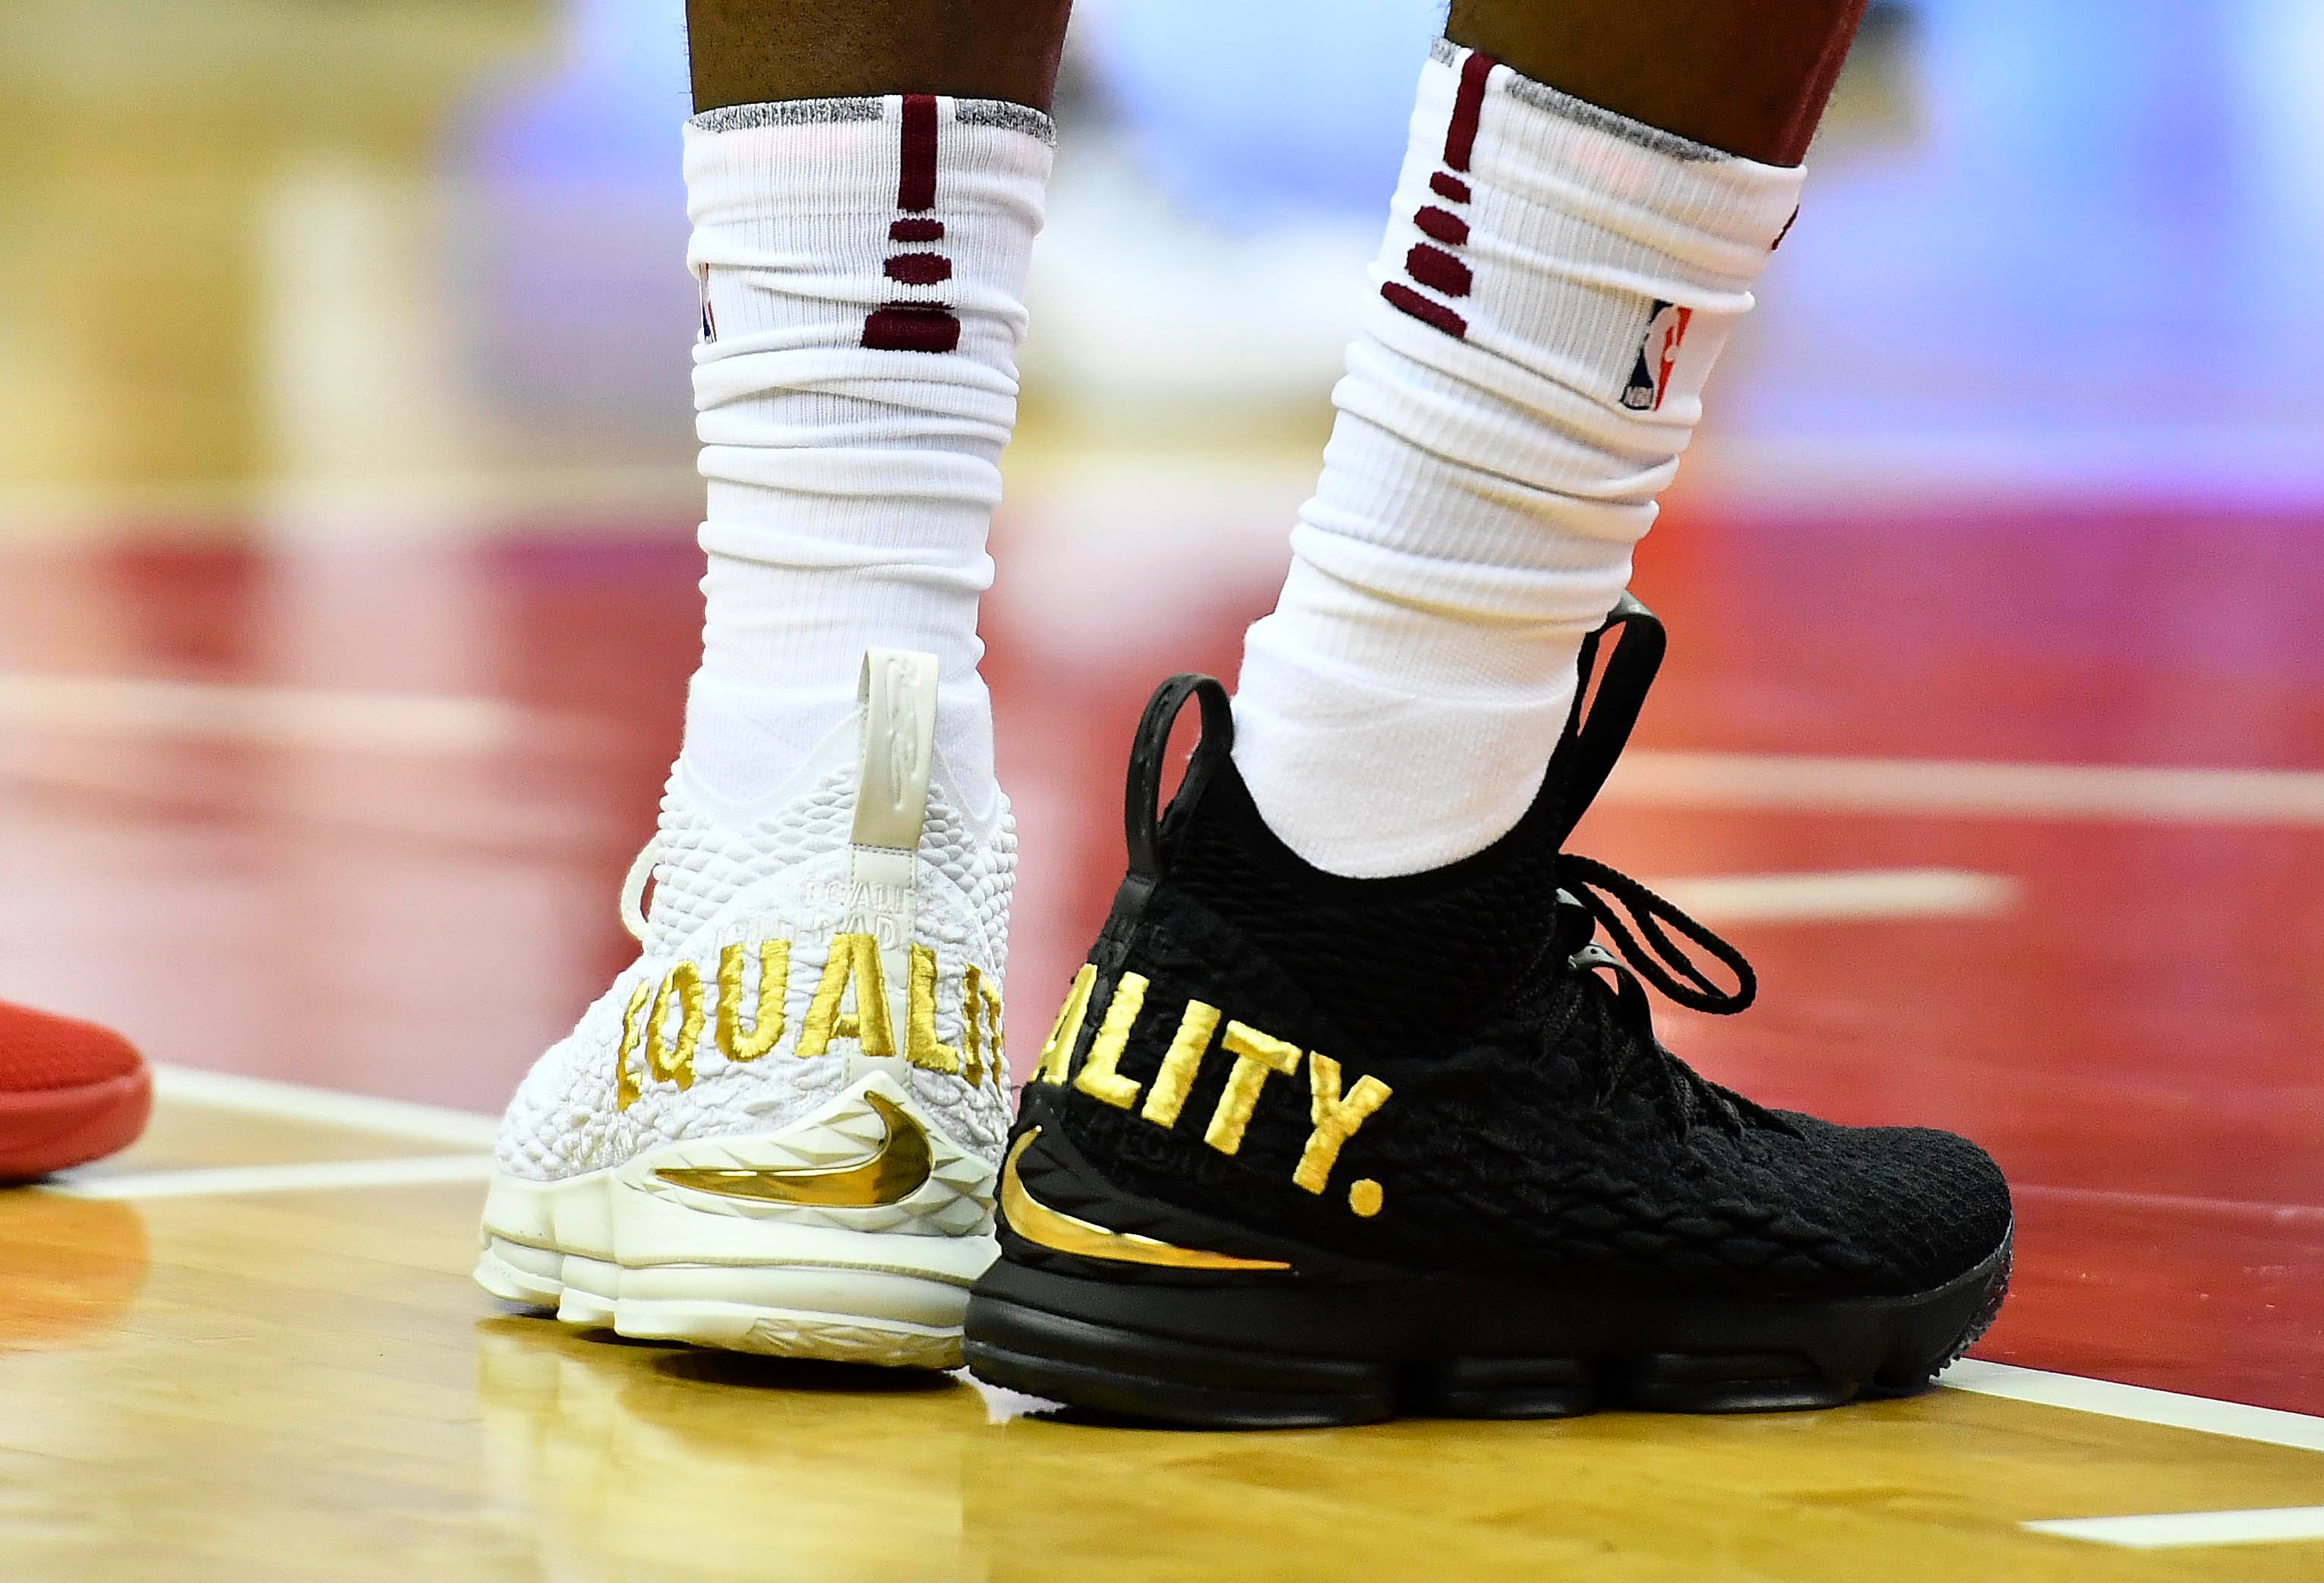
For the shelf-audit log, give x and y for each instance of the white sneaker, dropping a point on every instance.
(810, 1175)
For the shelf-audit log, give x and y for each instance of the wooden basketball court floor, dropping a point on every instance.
(2018, 812)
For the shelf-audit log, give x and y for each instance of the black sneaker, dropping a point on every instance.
(1310, 1150)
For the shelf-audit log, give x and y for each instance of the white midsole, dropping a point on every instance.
(548, 1228)
(619, 1246)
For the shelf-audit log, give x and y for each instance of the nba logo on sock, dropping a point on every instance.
(1658, 347)
(709, 320)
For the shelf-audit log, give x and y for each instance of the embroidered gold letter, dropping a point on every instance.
(971, 1038)
(1057, 1054)
(1168, 1097)
(990, 999)
(856, 957)
(920, 1046)
(1256, 1055)
(1336, 1119)
(774, 978)
(633, 1030)
(1099, 1079)
(675, 1061)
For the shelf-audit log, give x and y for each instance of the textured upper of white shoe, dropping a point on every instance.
(776, 883)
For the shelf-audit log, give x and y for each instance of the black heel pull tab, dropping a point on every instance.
(1141, 802)
(1589, 747)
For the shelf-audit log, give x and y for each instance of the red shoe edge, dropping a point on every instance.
(49, 1129)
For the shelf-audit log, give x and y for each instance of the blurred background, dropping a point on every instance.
(271, 251)
(346, 579)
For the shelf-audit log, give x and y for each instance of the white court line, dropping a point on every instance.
(436, 1123)
(1837, 896)
(312, 1176)
(1001, 1404)
(2187, 465)
(2174, 1203)
(523, 502)
(2234, 1419)
(2172, 1530)
(1841, 895)
(447, 723)
(302, 717)
(2268, 1425)
(2136, 793)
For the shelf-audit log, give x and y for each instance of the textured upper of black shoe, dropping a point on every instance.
(1533, 1127)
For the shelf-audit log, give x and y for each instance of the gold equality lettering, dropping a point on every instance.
(996, 1038)
(853, 965)
(669, 1061)
(1176, 1080)
(972, 1040)
(1257, 1055)
(1058, 1053)
(1098, 1078)
(921, 1046)
(982, 1055)
(774, 979)
(633, 1027)
(854, 960)
(1336, 1119)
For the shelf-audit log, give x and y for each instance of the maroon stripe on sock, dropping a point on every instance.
(1448, 229)
(919, 268)
(1786, 231)
(911, 326)
(1451, 186)
(915, 187)
(1468, 104)
(1405, 299)
(1438, 270)
(915, 231)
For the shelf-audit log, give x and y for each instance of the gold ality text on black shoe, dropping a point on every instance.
(1336, 1114)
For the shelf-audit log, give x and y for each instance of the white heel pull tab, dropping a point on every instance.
(897, 694)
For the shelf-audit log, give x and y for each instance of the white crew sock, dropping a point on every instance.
(1556, 283)
(863, 268)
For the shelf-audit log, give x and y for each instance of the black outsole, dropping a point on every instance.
(1282, 1356)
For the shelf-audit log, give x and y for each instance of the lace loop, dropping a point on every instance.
(1652, 936)
(1619, 902)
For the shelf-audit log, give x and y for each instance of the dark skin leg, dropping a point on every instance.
(1747, 76)
(747, 52)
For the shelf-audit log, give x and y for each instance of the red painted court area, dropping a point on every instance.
(355, 816)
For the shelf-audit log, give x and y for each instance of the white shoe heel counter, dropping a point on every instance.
(870, 1161)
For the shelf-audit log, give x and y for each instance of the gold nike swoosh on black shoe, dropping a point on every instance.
(1036, 1222)
(893, 1172)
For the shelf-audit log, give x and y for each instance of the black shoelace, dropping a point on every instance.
(1611, 988)
(1651, 934)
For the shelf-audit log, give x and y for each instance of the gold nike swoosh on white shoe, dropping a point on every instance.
(895, 1171)
(1036, 1222)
